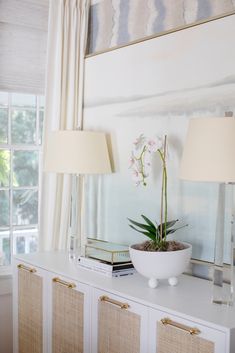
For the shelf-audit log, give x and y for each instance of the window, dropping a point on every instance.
(21, 121)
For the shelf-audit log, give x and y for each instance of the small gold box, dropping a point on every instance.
(108, 252)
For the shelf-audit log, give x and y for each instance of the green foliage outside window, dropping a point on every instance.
(3, 125)
(20, 140)
(4, 168)
(23, 127)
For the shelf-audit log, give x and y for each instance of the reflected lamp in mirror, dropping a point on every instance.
(79, 153)
(209, 156)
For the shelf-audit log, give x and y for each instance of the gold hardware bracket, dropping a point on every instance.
(190, 330)
(121, 305)
(29, 269)
(64, 283)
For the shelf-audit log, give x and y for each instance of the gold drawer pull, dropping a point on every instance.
(29, 269)
(104, 298)
(191, 330)
(64, 283)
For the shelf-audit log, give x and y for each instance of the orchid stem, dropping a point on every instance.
(163, 191)
(165, 184)
(142, 164)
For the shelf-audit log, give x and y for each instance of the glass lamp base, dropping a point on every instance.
(223, 285)
(73, 247)
(223, 274)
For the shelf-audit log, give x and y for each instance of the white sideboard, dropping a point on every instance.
(59, 307)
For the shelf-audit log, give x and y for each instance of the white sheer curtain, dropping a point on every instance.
(67, 35)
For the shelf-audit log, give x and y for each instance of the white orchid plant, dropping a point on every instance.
(140, 164)
(141, 155)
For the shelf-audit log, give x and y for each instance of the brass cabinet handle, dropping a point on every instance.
(104, 298)
(191, 330)
(29, 269)
(64, 283)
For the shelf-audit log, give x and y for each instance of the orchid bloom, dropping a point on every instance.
(140, 159)
(140, 163)
(138, 143)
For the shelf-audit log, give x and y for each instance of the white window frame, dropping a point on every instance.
(21, 147)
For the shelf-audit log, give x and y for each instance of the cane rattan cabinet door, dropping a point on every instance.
(70, 316)
(28, 310)
(171, 334)
(119, 325)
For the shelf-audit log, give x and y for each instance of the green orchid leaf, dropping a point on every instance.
(147, 234)
(168, 224)
(148, 221)
(170, 231)
(143, 226)
(154, 232)
(175, 229)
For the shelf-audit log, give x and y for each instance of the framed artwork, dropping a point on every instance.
(115, 23)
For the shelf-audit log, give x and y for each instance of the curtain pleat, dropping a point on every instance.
(67, 36)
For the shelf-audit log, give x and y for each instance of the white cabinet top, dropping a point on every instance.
(191, 298)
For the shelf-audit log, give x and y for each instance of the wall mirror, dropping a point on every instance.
(155, 87)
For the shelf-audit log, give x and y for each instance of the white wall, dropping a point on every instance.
(6, 335)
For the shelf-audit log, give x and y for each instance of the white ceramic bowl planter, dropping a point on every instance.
(161, 264)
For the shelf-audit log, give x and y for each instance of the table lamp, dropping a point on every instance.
(209, 156)
(79, 153)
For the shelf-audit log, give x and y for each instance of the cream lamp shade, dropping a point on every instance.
(76, 152)
(209, 151)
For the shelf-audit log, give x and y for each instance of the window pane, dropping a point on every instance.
(25, 207)
(4, 168)
(5, 248)
(41, 117)
(23, 126)
(20, 245)
(3, 125)
(41, 102)
(3, 98)
(23, 100)
(25, 241)
(25, 168)
(4, 208)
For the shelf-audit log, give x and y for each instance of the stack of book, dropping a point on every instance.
(107, 269)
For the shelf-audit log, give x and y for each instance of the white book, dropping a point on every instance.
(117, 273)
(124, 273)
(99, 265)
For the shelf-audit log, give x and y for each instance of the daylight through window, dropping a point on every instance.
(21, 121)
